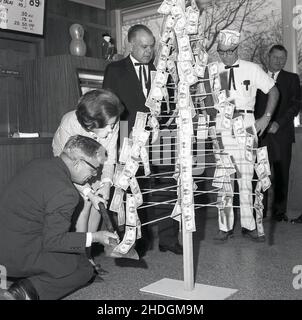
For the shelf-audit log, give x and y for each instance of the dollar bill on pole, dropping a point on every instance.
(121, 215)
(131, 212)
(126, 150)
(140, 120)
(130, 168)
(176, 213)
(189, 218)
(145, 159)
(135, 189)
(202, 128)
(227, 115)
(117, 200)
(128, 241)
(266, 183)
(239, 130)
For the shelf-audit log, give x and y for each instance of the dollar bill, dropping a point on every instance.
(145, 159)
(161, 63)
(138, 229)
(140, 120)
(199, 70)
(128, 241)
(202, 128)
(164, 8)
(118, 171)
(186, 72)
(213, 70)
(228, 164)
(130, 168)
(266, 183)
(126, 150)
(189, 218)
(262, 154)
(131, 213)
(172, 70)
(259, 222)
(140, 136)
(261, 170)
(121, 217)
(176, 213)
(239, 130)
(192, 16)
(215, 83)
(117, 200)
(122, 181)
(227, 115)
(212, 133)
(135, 189)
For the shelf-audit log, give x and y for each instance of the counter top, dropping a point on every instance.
(14, 141)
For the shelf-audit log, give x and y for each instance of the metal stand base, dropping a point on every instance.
(175, 289)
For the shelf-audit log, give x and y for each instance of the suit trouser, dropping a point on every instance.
(280, 162)
(50, 288)
(244, 172)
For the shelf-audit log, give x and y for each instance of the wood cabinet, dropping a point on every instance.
(15, 153)
(51, 89)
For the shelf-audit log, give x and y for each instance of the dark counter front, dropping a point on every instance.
(294, 205)
(16, 152)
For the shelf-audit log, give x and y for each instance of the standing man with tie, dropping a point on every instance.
(130, 80)
(281, 132)
(244, 78)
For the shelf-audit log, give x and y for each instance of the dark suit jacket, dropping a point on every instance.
(121, 78)
(35, 215)
(288, 106)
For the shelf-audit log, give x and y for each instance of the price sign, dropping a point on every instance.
(22, 15)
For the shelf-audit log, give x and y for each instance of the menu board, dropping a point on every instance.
(22, 15)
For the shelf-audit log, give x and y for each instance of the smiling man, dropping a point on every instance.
(35, 218)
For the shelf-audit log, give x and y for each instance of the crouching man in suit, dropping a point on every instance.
(35, 217)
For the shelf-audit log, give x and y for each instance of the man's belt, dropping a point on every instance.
(244, 111)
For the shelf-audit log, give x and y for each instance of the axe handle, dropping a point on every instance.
(104, 213)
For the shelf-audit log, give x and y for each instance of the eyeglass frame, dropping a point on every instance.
(228, 52)
(96, 169)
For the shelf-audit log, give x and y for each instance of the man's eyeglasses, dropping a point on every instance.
(96, 169)
(227, 52)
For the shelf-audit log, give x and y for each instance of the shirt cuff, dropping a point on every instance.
(88, 239)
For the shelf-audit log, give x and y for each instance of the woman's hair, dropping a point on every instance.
(96, 107)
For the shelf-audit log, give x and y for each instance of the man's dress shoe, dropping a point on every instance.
(223, 236)
(252, 234)
(22, 290)
(297, 220)
(280, 217)
(177, 248)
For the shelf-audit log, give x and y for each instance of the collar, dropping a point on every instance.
(236, 62)
(133, 60)
(275, 74)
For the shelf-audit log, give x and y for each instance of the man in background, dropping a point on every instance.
(280, 134)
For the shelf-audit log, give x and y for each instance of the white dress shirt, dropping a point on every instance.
(146, 67)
